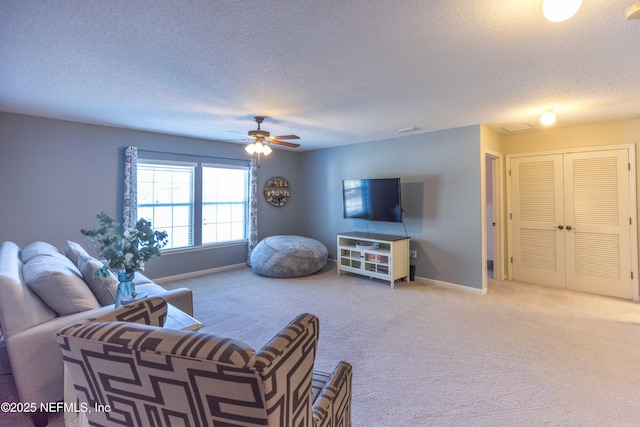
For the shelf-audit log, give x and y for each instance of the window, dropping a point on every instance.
(196, 204)
(224, 204)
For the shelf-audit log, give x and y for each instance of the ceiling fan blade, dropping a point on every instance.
(286, 144)
(286, 137)
(246, 137)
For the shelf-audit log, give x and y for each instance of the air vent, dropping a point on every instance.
(516, 128)
(410, 129)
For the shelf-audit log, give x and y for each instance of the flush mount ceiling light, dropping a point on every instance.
(560, 10)
(548, 118)
(633, 11)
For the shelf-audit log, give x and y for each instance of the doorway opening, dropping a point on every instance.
(493, 218)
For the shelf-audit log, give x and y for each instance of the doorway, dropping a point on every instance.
(493, 217)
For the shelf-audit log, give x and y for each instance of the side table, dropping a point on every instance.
(179, 320)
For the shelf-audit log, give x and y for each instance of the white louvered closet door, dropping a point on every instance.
(538, 252)
(570, 221)
(597, 222)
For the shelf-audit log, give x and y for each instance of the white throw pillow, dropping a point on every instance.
(74, 252)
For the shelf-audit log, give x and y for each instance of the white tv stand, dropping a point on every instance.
(380, 256)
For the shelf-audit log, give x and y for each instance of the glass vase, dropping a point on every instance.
(126, 287)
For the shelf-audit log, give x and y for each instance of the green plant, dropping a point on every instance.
(126, 251)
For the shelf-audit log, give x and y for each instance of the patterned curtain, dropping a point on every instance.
(130, 214)
(252, 223)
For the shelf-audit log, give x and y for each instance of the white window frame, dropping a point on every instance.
(244, 203)
(196, 221)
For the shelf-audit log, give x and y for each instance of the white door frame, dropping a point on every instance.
(633, 212)
(498, 216)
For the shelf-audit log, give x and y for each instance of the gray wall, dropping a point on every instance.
(55, 176)
(440, 175)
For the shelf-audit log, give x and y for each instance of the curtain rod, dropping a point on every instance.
(192, 155)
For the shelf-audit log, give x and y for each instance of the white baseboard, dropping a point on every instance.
(454, 286)
(418, 280)
(198, 273)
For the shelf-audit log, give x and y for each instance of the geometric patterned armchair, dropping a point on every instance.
(153, 376)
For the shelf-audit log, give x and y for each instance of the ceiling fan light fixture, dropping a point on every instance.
(548, 118)
(258, 147)
(560, 10)
(262, 139)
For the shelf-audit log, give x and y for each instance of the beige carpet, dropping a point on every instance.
(428, 356)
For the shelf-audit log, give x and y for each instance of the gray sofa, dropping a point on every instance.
(42, 290)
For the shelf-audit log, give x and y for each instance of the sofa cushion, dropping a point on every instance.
(59, 285)
(141, 279)
(150, 289)
(35, 249)
(38, 249)
(74, 252)
(104, 288)
(20, 308)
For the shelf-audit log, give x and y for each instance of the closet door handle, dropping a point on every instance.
(560, 227)
(569, 227)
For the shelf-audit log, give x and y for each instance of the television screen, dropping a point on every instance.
(372, 199)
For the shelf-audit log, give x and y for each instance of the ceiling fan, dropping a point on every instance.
(262, 136)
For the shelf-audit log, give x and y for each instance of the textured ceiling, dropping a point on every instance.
(333, 72)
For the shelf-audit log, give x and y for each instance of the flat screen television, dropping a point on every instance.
(372, 199)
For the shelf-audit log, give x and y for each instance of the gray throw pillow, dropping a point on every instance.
(104, 288)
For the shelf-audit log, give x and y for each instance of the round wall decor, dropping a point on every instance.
(277, 191)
